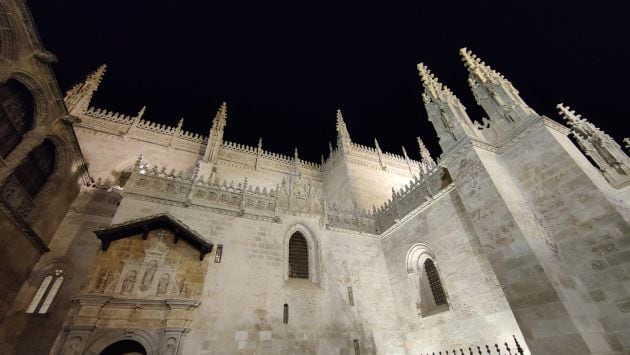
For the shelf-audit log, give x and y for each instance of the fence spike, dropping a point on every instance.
(470, 351)
(507, 347)
(497, 347)
(518, 346)
(488, 349)
(479, 350)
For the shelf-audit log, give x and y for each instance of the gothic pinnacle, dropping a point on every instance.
(342, 130)
(429, 81)
(97, 76)
(141, 112)
(405, 153)
(378, 147)
(424, 153)
(569, 115)
(220, 118)
(477, 67)
(180, 124)
(78, 98)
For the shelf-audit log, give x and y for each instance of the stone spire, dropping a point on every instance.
(494, 93)
(220, 119)
(427, 160)
(445, 111)
(215, 138)
(599, 146)
(379, 153)
(343, 137)
(79, 96)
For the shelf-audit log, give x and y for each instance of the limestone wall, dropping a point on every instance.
(242, 304)
(479, 313)
(587, 222)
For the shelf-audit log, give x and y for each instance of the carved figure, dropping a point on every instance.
(163, 284)
(129, 281)
(148, 276)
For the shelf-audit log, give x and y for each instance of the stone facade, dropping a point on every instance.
(178, 243)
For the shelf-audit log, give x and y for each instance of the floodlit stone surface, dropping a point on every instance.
(515, 232)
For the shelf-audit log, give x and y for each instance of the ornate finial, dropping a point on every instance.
(260, 143)
(612, 161)
(342, 130)
(141, 112)
(425, 154)
(378, 147)
(295, 154)
(475, 66)
(431, 85)
(78, 98)
(180, 124)
(569, 115)
(330, 148)
(220, 119)
(405, 153)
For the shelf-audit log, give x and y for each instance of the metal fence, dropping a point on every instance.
(494, 349)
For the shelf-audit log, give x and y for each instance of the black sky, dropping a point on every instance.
(284, 68)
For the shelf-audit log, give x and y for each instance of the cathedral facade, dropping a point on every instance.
(123, 235)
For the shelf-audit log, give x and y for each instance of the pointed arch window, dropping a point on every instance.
(17, 109)
(298, 257)
(46, 293)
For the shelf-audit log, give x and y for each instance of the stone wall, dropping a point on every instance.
(587, 222)
(478, 312)
(242, 304)
(72, 250)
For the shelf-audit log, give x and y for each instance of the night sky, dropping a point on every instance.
(285, 68)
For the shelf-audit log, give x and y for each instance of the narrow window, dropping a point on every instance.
(356, 347)
(47, 291)
(51, 295)
(350, 296)
(298, 256)
(285, 314)
(217, 256)
(434, 282)
(40, 294)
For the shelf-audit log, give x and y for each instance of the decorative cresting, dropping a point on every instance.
(424, 279)
(145, 285)
(419, 192)
(293, 195)
(600, 147)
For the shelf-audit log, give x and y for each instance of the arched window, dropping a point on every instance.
(35, 169)
(425, 282)
(298, 256)
(47, 291)
(16, 115)
(434, 282)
